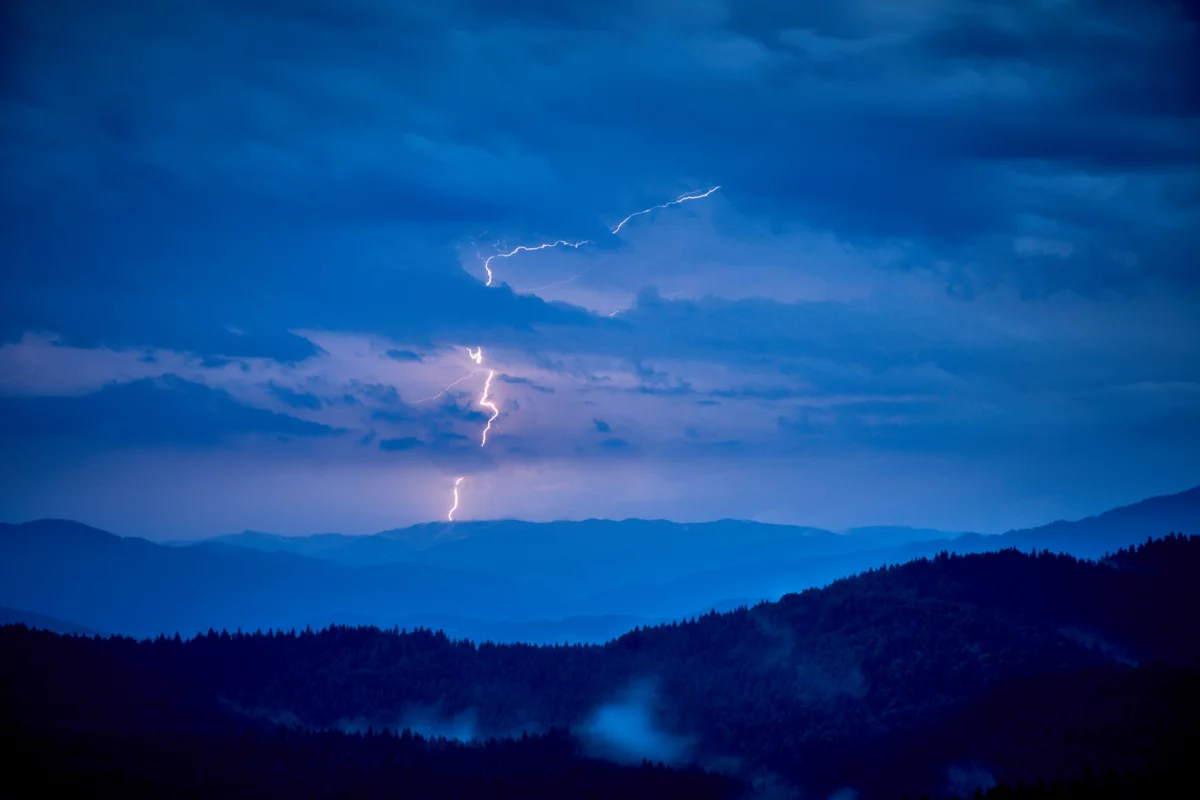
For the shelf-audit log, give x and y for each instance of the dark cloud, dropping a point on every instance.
(431, 414)
(881, 345)
(333, 181)
(379, 393)
(602, 426)
(293, 398)
(1012, 187)
(757, 392)
(517, 380)
(400, 444)
(162, 411)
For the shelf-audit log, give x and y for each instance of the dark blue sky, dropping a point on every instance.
(950, 277)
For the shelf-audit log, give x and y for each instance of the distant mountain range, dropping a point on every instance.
(502, 580)
(13, 616)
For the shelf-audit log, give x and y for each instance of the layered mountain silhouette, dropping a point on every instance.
(15, 616)
(70, 571)
(502, 580)
(937, 677)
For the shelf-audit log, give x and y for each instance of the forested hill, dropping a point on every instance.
(820, 690)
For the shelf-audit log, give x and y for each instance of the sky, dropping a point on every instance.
(949, 278)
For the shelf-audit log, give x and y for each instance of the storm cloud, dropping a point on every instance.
(952, 239)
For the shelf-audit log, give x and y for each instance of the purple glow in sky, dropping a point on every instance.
(948, 279)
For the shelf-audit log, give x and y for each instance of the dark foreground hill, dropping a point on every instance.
(254, 762)
(937, 676)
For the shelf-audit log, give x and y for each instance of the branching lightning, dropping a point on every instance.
(453, 508)
(683, 198)
(484, 399)
(486, 402)
(476, 355)
(447, 388)
(487, 265)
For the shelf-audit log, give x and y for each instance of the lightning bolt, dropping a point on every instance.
(486, 402)
(477, 357)
(453, 508)
(487, 265)
(485, 399)
(683, 198)
(448, 387)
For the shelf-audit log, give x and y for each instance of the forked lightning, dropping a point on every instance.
(485, 400)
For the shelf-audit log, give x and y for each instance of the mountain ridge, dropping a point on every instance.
(500, 579)
(885, 682)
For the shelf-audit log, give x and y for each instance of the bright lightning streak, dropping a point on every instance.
(453, 508)
(681, 199)
(486, 402)
(487, 265)
(476, 356)
(449, 386)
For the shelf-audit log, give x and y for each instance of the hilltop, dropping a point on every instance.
(931, 659)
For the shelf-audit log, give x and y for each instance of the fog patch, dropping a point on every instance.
(784, 641)
(818, 682)
(626, 730)
(277, 716)
(771, 787)
(1094, 641)
(965, 779)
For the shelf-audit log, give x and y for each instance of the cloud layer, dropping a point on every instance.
(954, 239)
